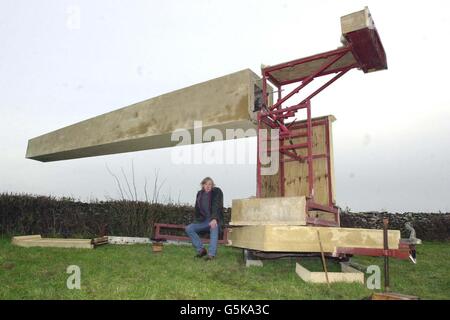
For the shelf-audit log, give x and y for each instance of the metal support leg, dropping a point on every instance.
(310, 157)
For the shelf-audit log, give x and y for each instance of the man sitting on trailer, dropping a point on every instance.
(208, 217)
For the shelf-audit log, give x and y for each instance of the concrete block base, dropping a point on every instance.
(253, 263)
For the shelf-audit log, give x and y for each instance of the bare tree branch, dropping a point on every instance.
(134, 181)
(128, 185)
(159, 189)
(155, 186)
(145, 190)
(117, 181)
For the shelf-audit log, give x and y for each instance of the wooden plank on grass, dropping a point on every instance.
(38, 241)
(348, 274)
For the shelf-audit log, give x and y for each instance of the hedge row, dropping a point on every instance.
(22, 214)
(428, 226)
(49, 216)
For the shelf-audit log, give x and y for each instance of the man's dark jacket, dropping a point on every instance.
(216, 206)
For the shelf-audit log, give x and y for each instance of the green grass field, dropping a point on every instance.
(134, 272)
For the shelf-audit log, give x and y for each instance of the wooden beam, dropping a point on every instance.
(223, 103)
(275, 211)
(272, 238)
(357, 21)
(38, 241)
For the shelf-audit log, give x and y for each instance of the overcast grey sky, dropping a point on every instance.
(391, 137)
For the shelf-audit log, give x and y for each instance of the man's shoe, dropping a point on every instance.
(210, 258)
(202, 253)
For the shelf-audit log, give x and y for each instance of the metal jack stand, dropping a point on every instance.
(387, 295)
(385, 253)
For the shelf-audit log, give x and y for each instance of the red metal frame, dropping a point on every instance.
(158, 235)
(402, 252)
(276, 115)
(367, 50)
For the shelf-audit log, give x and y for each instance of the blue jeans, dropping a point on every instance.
(192, 231)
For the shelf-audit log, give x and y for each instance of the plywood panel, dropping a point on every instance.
(269, 183)
(296, 173)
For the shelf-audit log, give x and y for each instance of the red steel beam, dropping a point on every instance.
(328, 152)
(294, 146)
(302, 159)
(295, 62)
(311, 77)
(309, 146)
(395, 253)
